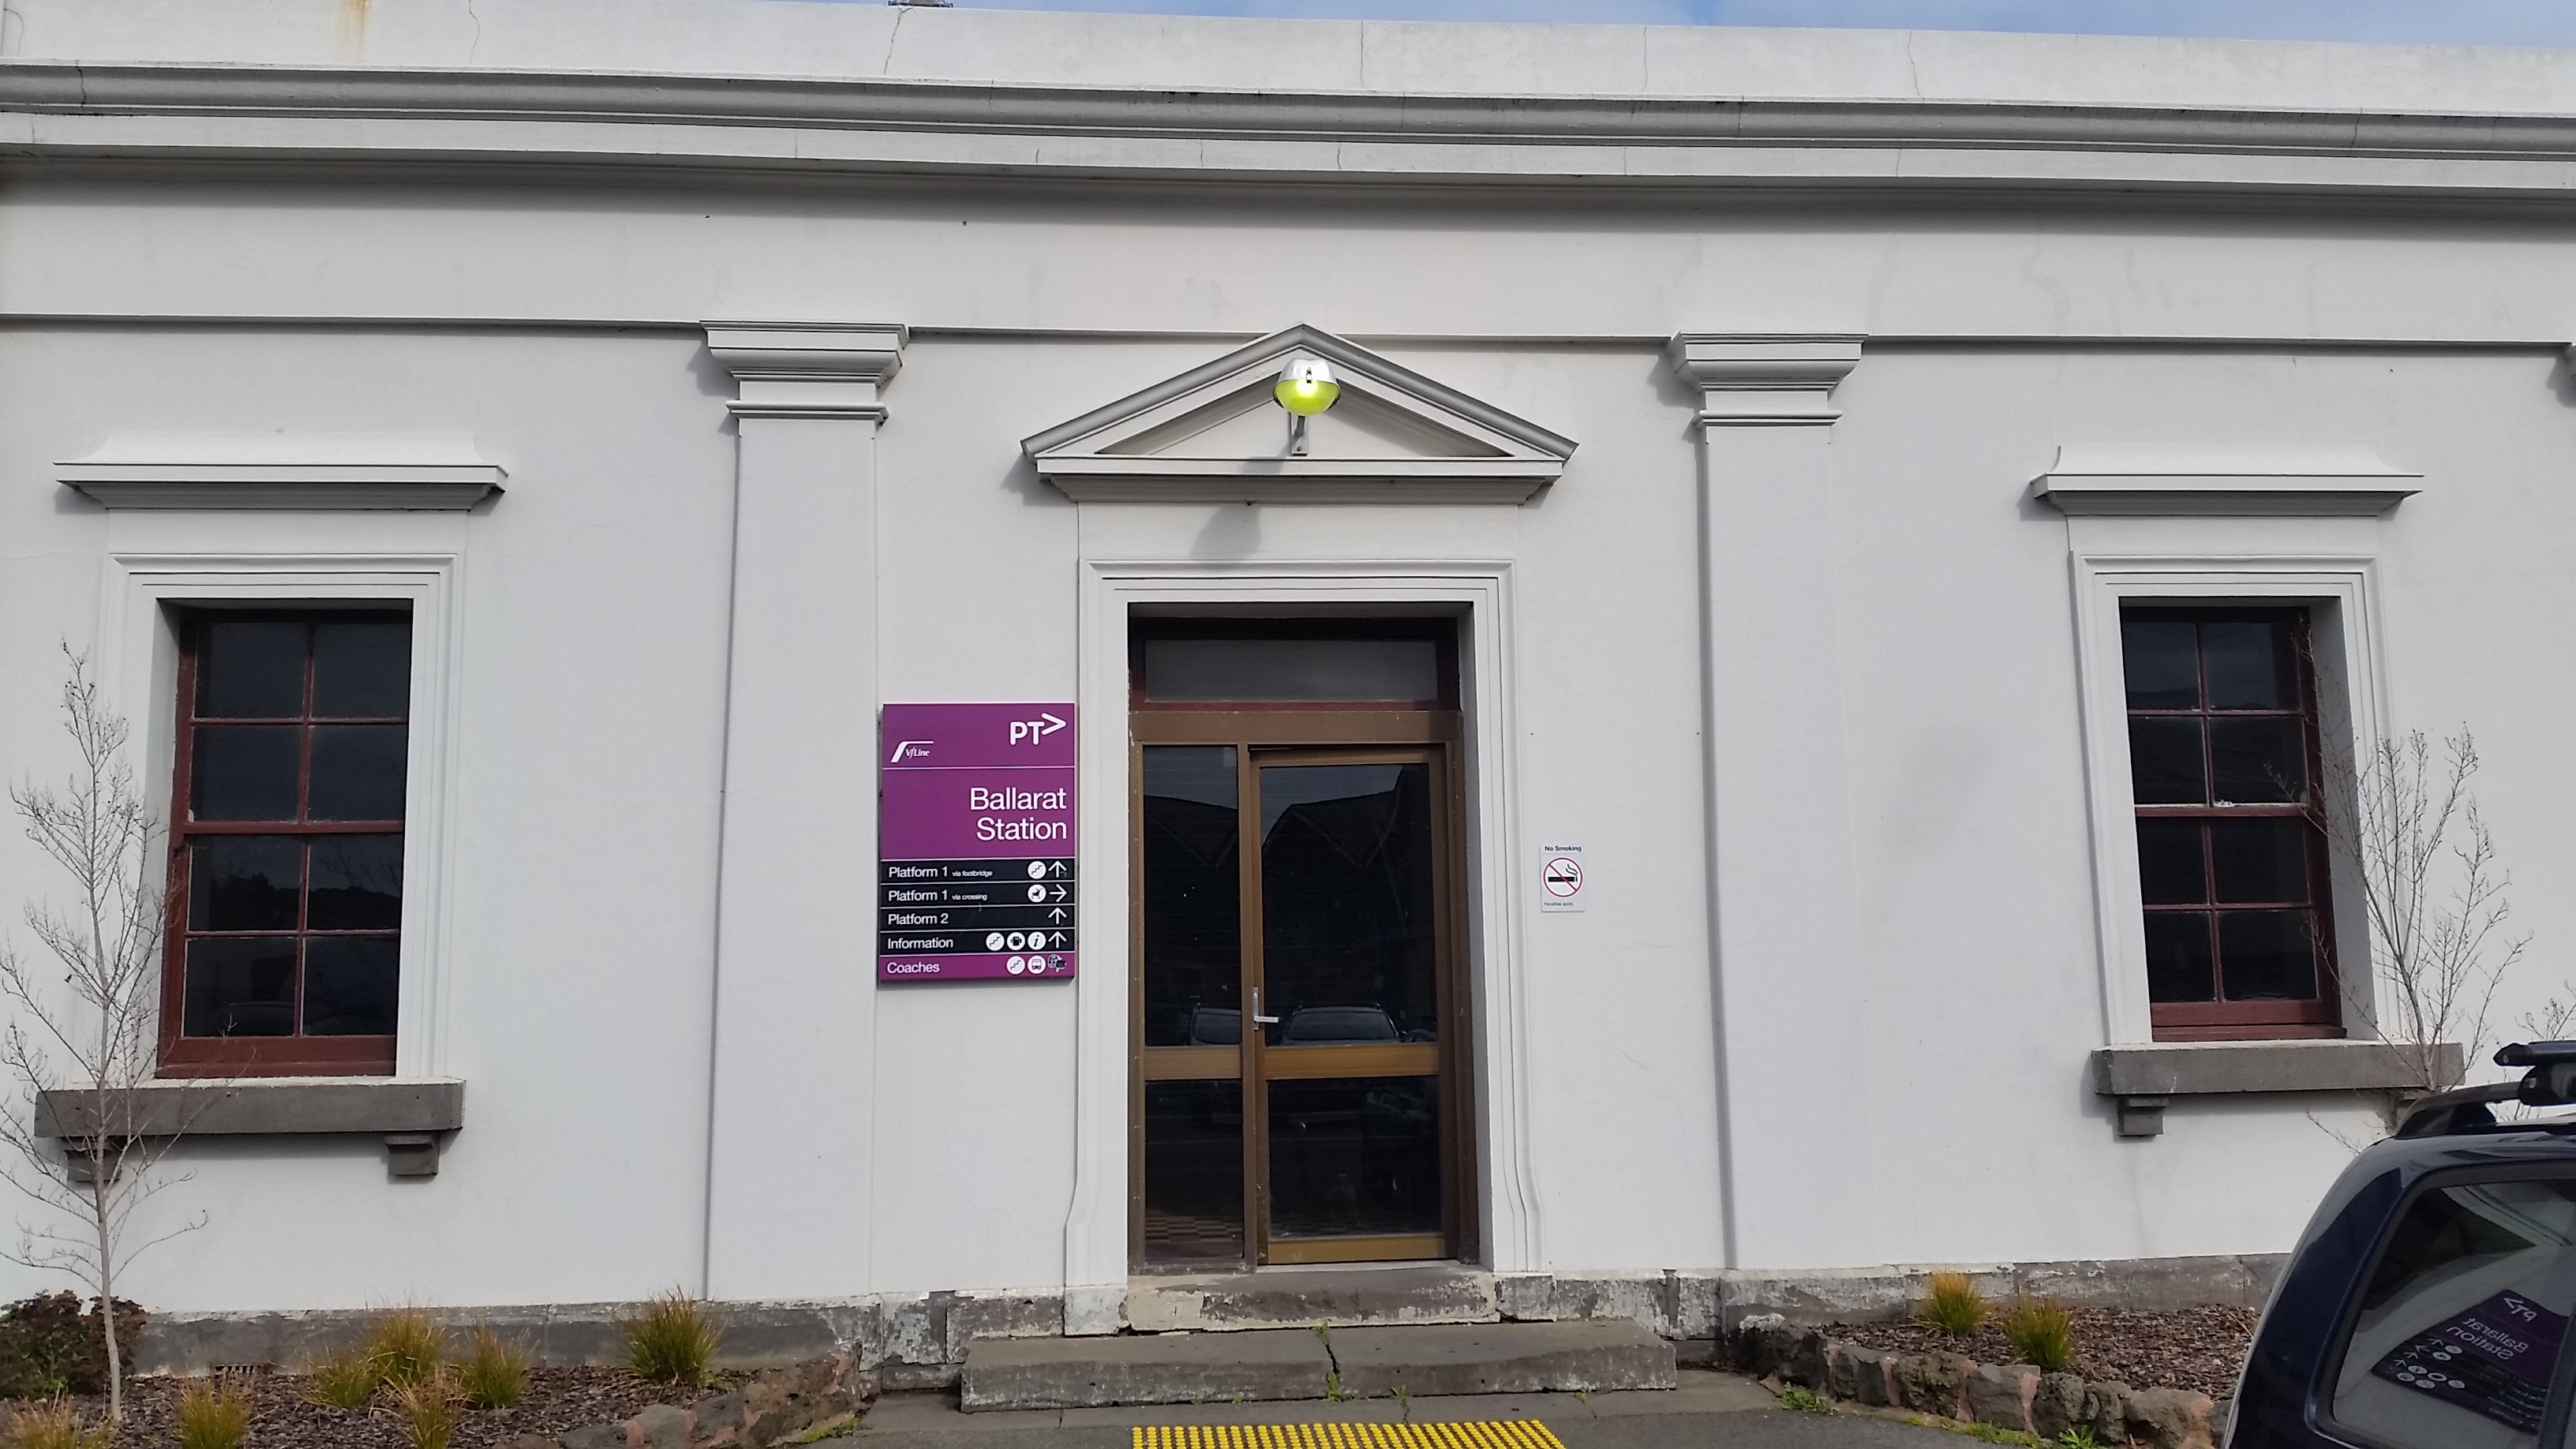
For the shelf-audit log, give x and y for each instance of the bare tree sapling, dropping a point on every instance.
(2435, 897)
(83, 1022)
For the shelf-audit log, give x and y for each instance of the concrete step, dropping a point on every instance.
(1217, 1368)
(1301, 1297)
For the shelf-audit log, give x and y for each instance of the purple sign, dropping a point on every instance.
(2494, 1359)
(975, 875)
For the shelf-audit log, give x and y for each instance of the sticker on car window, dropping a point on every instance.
(2494, 1359)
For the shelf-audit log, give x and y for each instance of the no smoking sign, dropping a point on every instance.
(1560, 878)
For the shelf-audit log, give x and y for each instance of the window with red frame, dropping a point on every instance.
(287, 841)
(2232, 866)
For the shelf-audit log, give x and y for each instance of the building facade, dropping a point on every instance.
(1771, 732)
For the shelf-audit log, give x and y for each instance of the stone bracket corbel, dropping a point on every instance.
(808, 369)
(2142, 1080)
(414, 1117)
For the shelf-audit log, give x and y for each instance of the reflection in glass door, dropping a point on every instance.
(1345, 992)
(1299, 995)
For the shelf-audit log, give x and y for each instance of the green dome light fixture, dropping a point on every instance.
(1305, 388)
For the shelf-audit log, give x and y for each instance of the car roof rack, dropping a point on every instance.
(2549, 1081)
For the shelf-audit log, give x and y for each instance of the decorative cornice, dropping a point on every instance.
(2201, 482)
(321, 471)
(231, 115)
(808, 369)
(1755, 379)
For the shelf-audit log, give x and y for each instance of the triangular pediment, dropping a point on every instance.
(1212, 435)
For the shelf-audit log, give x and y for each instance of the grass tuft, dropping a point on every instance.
(405, 1344)
(1804, 1400)
(495, 1373)
(671, 1341)
(427, 1408)
(344, 1378)
(214, 1413)
(1953, 1305)
(56, 1426)
(2042, 1332)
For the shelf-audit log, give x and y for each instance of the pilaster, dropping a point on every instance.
(791, 1098)
(1789, 984)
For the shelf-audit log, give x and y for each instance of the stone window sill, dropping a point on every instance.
(2145, 1079)
(411, 1114)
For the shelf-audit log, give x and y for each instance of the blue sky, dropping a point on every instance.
(2464, 22)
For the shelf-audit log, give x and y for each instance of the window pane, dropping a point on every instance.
(2169, 863)
(358, 771)
(349, 985)
(2460, 1325)
(243, 772)
(1194, 1172)
(2178, 957)
(1192, 897)
(2268, 956)
(240, 986)
(2258, 761)
(1357, 1156)
(2164, 761)
(1405, 670)
(2161, 662)
(250, 669)
(357, 883)
(362, 668)
(1347, 904)
(2260, 861)
(2250, 665)
(244, 882)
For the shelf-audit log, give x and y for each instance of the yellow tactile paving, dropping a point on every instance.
(1480, 1434)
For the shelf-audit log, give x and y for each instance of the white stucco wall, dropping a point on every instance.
(553, 315)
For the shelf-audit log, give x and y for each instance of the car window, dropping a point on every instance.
(2457, 1332)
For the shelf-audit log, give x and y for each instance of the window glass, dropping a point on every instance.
(1193, 1174)
(2231, 859)
(1348, 950)
(1354, 1155)
(2161, 661)
(1192, 889)
(2458, 1331)
(287, 947)
(1292, 670)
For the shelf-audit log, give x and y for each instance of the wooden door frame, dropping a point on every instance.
(1136, 564)
(1436, 737)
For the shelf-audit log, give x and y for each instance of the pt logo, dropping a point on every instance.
(1030, 731)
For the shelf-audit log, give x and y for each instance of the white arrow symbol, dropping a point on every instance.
(1051, 726)
(1056, 915)
(1056, 868)
(1060, 893)
(1059, 939)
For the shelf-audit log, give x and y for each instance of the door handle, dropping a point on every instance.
(1265, 1020)
(1257, 1018)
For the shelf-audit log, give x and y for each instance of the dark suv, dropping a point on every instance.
(2426, 1306)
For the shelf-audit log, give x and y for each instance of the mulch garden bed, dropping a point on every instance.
(2193, 1348)
(557, 1401)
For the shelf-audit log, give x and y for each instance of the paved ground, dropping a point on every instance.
(1719, 1410)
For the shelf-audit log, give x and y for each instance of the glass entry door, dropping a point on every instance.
(1299, 1001)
